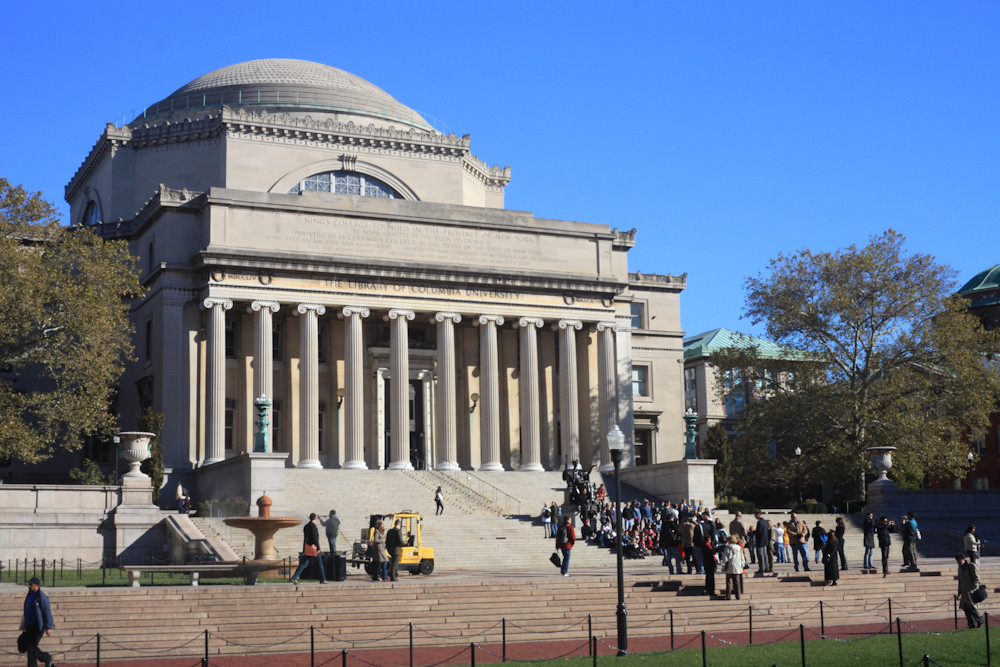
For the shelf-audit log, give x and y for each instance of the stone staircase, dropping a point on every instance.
(491, 519)
(458, 608)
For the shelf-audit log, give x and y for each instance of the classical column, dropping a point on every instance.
(489, 387)
(215, 399)
(399, 364)
(569, 412)
(354, 431)
(606, 388)
(447, 429)
(309, 386)
(263, 378)
(531, 434)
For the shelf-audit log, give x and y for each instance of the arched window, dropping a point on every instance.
(347, 183)
(92, 214)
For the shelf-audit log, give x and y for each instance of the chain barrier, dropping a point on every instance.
(230, 642)
(929, 632)
(766, 612)
(610, 646)
(947, 603)
(197, 638)
(784, 637)
(367, 662)
(479, 647)
(724, 641)
(845, 640)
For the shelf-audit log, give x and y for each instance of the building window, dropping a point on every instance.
(735, 392)
(690, 389)
(276, 340)
(149, 340)
(230, 431)
(346, 183)
(640, 380)
(642, 445)
(321, 343)
(638, 315)
(977, 441)
(92, 214)
(231, 337)
(150, 259)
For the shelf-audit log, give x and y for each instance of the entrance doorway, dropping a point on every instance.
(418, 450)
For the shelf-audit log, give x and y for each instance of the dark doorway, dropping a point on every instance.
(418, 454)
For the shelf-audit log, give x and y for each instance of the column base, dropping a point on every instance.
(447, 465)
(532, 467)
(491, 467)
(400, 465)
(355, 465)
(310, 463)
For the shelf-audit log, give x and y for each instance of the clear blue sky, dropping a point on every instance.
(724, 132)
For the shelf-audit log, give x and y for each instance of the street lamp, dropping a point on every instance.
(616, 446)
(798, 471)
(972, 461)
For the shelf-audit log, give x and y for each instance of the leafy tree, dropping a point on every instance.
(64, 327)
(718, 446)
(152, 422)
(90, 473)
(890, 357)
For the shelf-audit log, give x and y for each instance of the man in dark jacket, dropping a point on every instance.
(708, 552)
(37, 622)
(884, 541)
(310, 538)
(394, 545)
(762, 533)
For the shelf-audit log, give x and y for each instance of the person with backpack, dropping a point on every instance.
(565, 539)
(547, 520)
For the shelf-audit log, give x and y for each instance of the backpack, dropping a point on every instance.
(562, 537)
(546, 513)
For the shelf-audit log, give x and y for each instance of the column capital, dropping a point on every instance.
(568, 324)
(355, 310)
(395, 313)
(495, 319)
(536, 322)
(213, 301)
(259, 305)
(304, 308)
(442, 316)
(602, 326)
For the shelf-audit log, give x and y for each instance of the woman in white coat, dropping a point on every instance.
(734, 563)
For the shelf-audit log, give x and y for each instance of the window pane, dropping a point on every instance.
(638, 312)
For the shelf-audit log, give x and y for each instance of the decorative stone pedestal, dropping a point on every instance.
(693, 479)
(245, 476)
(136, 519)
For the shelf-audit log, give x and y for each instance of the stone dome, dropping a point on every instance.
(985, 280)
(292, 86)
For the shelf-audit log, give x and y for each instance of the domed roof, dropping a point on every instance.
(288, 85)
(985, 280)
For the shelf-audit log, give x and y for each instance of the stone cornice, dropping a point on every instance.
(494, 178)
(110, 141)
(623, 240)
(657, 281)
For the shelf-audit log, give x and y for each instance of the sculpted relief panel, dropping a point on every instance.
(402, 241)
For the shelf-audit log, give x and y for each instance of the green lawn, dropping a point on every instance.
(965, 647)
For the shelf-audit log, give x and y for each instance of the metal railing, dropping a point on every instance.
(484, 489)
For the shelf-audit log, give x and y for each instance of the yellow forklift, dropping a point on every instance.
(415, 557)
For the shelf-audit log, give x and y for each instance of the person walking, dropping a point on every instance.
(840, 530)
(831, 573)
(868, 528)
(311, 550)
(439, 501)
(332, 530)
(762, 531)
(37, 622)
(968, 581)
(734, 562)
(971, 544)
(380, 558)
(798, 539)
(394, 547)
(885, 527)
(565, 539)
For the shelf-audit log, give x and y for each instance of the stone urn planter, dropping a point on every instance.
(135, 450)
(881, 458)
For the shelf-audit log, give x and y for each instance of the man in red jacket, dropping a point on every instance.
(565, 539)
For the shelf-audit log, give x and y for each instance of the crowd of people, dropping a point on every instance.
(688, 540)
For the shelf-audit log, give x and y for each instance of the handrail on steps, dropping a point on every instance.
(471, 482)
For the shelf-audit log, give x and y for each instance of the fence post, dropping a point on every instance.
(472, 652)
(590, 632)
(671, 629)
(750, 616)
(890, 617)
(822, 622)
(986, 619)
(593, 648)
(704, 653)
(206, 646)
(503, 657)
(899, 639)
(927, 660)
(43, 570)
(98, 649)
(802, 643)
(411, 644)
(955, 605)
(312, 646)
(343, 657)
